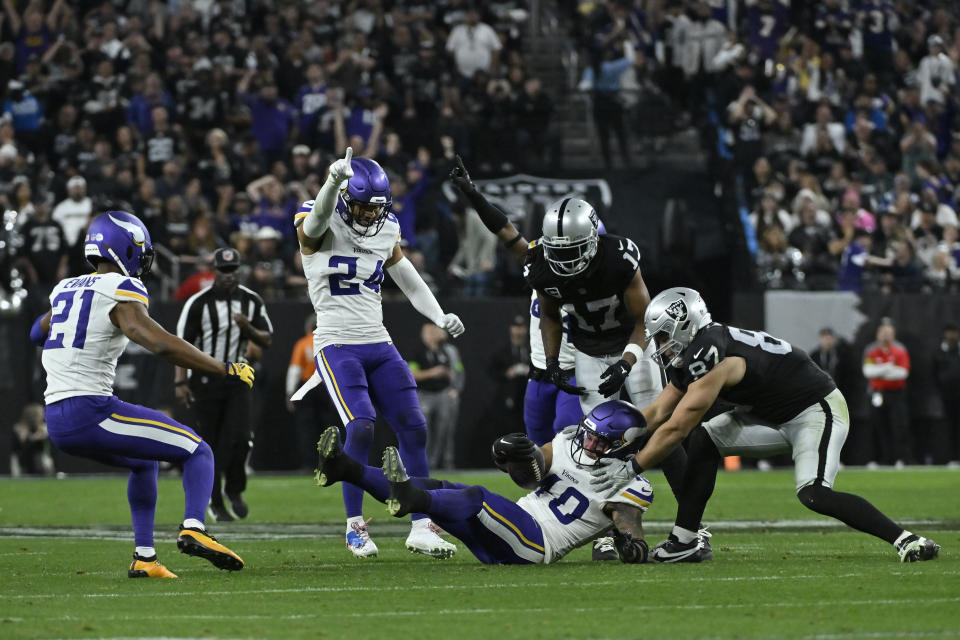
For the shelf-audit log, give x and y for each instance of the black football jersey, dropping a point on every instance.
(600, 323)
(780, 380)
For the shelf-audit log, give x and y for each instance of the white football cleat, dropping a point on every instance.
(425, 538)
(359, 542)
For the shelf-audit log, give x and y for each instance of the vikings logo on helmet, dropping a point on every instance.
(137, 232)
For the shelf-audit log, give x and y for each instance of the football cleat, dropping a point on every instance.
(359, 542)
(195, 542)
(604, 549)
(917, 549)
(672, 550)
(425, 539)
(218, 513)
(238, 506)
(148, 568)
(333, 463)
(398, 503)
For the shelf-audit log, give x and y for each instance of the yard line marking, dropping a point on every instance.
(435, 587)
(488, 610)
(26, 553)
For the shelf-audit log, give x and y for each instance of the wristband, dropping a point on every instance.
(634, 349)
(637, 469)
(512, 241)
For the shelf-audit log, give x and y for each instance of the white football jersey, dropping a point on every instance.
(82, 347)
(343, 280)
(537, 356)
(568, 510)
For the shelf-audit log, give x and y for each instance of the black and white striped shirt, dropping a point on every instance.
(206, 321)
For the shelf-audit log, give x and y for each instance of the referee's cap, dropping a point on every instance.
(226, 258)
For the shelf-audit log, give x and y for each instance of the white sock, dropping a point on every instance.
(903, 536)
(193, 523)
(355, 519)
(145, 552)
(684, 535)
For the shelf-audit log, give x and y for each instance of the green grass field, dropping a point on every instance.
(779, 571)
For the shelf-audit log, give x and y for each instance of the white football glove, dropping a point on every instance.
(341, 171)
(610, 475)
(452, 324)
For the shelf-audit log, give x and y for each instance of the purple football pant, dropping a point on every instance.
(359, 376)
(120, 434)
(547, 411)
(495, 529)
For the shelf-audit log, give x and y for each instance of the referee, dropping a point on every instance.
(220, 320)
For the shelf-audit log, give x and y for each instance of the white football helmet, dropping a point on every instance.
(672, 319)
(570, 231)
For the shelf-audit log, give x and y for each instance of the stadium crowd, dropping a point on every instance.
(212, 119)
(836, 120)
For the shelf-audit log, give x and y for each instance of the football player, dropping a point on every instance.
(561, 513)
(90, 321)
(595, 279)
(348, 238)
(785, 404)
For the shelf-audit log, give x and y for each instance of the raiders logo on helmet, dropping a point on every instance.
(677, 310)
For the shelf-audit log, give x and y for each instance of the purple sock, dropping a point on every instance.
(357, 446)
(198, 482)
(413, 451)
(142, 496)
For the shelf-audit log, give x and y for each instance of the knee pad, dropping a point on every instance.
(413, 436)
(410, 418)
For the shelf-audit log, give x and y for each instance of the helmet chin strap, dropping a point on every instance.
(117, 261)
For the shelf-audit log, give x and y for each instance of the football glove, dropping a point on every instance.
(558, 378)
(611, 474)
(614, 377)
(241, 370)
(461, 179)
(513, 447)
(452, 324)
(341, 171)
(630, 550)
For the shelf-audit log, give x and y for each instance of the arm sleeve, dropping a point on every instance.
(318, 219)
(416, 290)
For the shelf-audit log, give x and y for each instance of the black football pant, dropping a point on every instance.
(223, 419)
(891, 429)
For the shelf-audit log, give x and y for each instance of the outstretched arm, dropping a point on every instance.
(132, 319)
(418, 293)
(317, 220)
(492, 218)
(628, 532)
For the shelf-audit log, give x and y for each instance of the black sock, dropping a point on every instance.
(851, 510)
(674, 467)
(703, 460)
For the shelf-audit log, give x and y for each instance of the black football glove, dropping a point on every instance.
(461, 179)
(614, 377)
(558, 378)
(513, 447)
(629, 549)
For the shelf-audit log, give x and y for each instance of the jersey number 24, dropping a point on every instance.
(342, 284)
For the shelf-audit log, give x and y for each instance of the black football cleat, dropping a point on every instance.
(219, 513)
(604, 550)
(672, 550)
(238, 506)
(917, 549)
(334, 464)
(402, 492)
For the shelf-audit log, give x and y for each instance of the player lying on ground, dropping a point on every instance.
(348, 238)
(562, 513)
(786, 404)
(91, 319)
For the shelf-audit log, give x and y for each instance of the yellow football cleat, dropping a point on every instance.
(141, 568)
(195, 542)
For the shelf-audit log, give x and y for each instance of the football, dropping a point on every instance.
(527, 473)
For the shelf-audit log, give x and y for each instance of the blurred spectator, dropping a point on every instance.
(73, 214)
(886, 366)
(269, 267)
(475, 46)
(778, 264)
(438, 371)
(770, 214)
(856, 257)
(603, 77)
(44, 253)
(946, 369)
(749, 117)
(272, 117)
(314, 411)
(835, 357)
(476, 255)
(537, 141)
(30, 445)
(812, 239)
(509, 367)
(936, 73)
(26, 111)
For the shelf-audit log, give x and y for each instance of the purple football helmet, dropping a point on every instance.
(611, 430)
(366, 201)
(121, 238)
